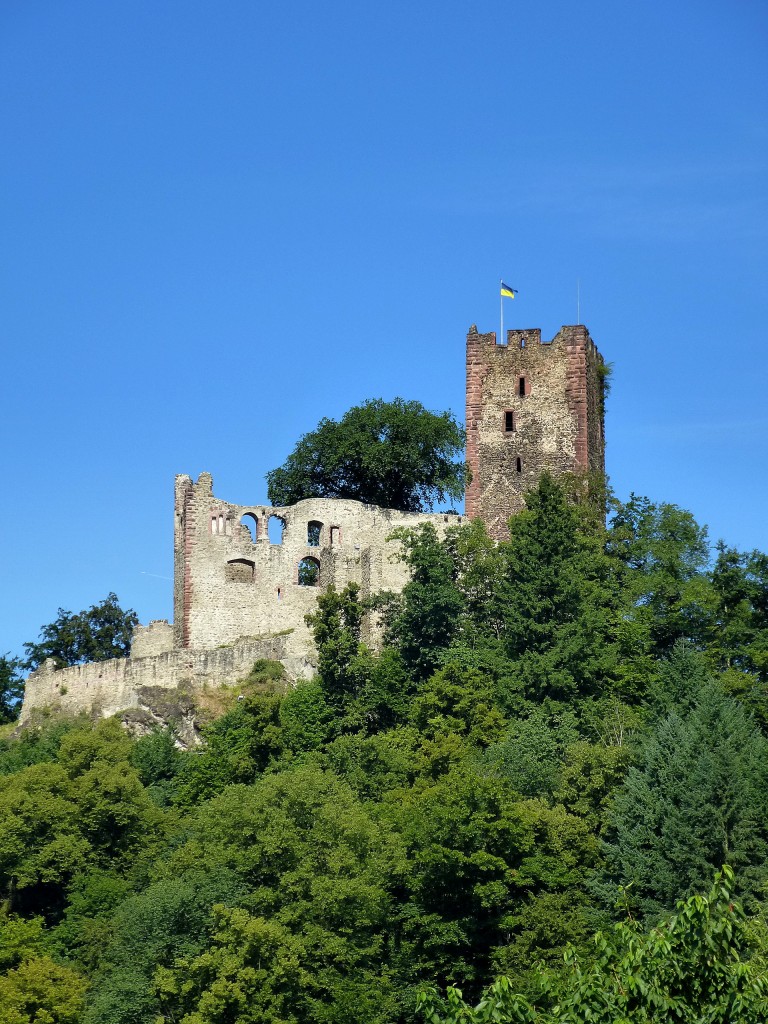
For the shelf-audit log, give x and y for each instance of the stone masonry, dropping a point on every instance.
(231, 582)
(531, 406)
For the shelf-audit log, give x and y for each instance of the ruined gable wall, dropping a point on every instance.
(555, 416)
(229, 586)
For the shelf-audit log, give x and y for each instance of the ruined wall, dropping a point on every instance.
(531, 406)
(231, 584)
(107, 687)
(149, 641)
(237, 597)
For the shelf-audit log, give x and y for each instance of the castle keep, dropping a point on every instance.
(531, 406)
(240, 594)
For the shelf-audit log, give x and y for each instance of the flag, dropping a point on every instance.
(507, 292)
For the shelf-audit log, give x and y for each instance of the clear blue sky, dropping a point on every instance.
(223, 221)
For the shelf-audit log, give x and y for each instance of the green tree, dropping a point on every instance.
(393, 454)
(737, 641)
(478, 858)
(697, 799)
(41, 843)
(336, 626)
(11, 688)
(422, 620)
(693, 968)
(98, 633)
(558, 600)
(239, 746)
(252, 972)
(170, 918)
(40, 991)
(318, 864)
(306, 717)
(666, 554)
(532, 751)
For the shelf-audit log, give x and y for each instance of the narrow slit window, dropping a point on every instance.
(519, 464)
(509, 421)
(521, 387)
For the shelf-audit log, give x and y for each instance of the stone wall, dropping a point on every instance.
(531, 406)
(232, 582)
(238, 596)
(107, 687)
(151, 640)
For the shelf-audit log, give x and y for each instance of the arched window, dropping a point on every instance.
(309, 572)
(275, 528)
(240, 570)
(251, 523)
(314, 533)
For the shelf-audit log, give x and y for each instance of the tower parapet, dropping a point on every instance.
(532, 406)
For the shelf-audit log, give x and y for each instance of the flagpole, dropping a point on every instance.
(578, 301)
(501, 309)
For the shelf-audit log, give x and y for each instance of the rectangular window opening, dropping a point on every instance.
(509, 421)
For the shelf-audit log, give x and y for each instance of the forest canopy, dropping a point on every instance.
(545, 794)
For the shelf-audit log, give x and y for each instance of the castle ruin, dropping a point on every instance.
(531, 406)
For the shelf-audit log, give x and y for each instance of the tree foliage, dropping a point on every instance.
(697, 799)
(98, 633)
(690, 968)
(550, 726)
(393, 454)
(11, 688)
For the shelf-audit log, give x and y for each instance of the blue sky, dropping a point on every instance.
(222, 222)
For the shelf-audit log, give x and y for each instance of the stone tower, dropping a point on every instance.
(532, 405)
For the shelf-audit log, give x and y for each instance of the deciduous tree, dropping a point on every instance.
(98, 633)
(393, 454)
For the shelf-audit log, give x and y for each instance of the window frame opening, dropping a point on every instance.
(509, 421)
(271, 530)
(251, 525)
(314, 533)
(308, 571)
(247, 576)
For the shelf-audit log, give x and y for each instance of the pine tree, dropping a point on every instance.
(697, 800)
(557, 597)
